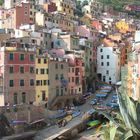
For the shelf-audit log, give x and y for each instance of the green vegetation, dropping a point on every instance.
(118, 5)
(126, 125)
(1, 2)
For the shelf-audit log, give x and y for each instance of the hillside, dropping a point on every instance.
(1, 2)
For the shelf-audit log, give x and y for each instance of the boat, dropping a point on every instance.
(75, 114)
(64, 121)
(101, 95)
(93, 124)
(68, 118)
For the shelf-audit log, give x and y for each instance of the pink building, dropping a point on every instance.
(76, 76)
(85, 31)
(17, 74)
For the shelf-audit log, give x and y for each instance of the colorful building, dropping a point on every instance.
(65, 6)
(17, 74)
(42, 73)
(58, 82)
(23, 13)
(76, 76)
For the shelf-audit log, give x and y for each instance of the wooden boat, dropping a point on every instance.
(93, 124)
(68, 118)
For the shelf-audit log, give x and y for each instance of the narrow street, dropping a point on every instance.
(55, 131)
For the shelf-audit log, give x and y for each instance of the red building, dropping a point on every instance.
(17, 74)
(24, 14)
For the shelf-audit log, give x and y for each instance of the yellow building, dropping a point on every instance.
(65, 6)
(59, 20)
(122, 26)
(41, 79)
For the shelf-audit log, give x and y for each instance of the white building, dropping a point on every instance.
(108, 64)
(86, 9)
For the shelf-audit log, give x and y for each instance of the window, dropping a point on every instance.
(79, 89)
(71, 91)
(101, 50)
(107, 63)
(61, 76)
(47, 71)
(31, 57)
(41, 82)
(11, 83)
(25, 13)
(36, 71)
(114, 49)
(61, 66)
(11, 69)
(48, 82)
(21, 57)
(72, 79)
(32, 70)
(109, 78)
(57, 91)
(31, 82)
(69, 69)
(73, 70)
(11, 56)
(61, 91)
(38, 82)
(66, 89)
(107, 72)
(39, 60)
(31, 13)
(45, 61)
(45, 82)
(23, 97)
(15, 98)
(104, 78)
(102, 63)
(56, 66)
(102, 57)
(43, 95)
(22, 82)
(69, 79)
(56, 77)
(107, 56)
(25, 7)
(21, 69)
(42, 71)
